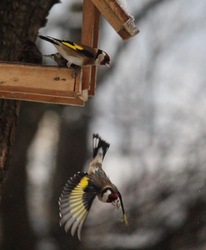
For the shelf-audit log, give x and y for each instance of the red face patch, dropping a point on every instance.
(112, 197)
(106, 60)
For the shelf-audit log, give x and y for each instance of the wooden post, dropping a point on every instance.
(90, 36)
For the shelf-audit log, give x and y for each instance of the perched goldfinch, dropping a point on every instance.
(81, 189)
(79, 54)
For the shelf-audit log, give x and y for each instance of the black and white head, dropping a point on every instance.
(111, 196)
(102, 58)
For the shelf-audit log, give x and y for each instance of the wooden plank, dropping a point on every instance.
(36, 77)
(39, 98)
(90, 35)
(40, 91)
(39, 83)
(122, 22)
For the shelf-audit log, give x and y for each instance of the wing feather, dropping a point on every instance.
(75, 202)
(81, 49)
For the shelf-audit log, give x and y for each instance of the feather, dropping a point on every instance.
(75, 202)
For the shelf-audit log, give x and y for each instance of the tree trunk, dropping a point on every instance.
(20, 21)
(16, 225)
(9, 112)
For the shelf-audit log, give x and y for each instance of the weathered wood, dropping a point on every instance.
(39, 83)
(119, 19)
(90, 36)
(43, 98)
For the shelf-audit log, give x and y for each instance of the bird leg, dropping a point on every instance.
(76, 70)
(69, 64)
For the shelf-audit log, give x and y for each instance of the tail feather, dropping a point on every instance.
(99, 144)
(50, 39)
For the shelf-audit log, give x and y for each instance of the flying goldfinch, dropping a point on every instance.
(81, 189)
(79, 54)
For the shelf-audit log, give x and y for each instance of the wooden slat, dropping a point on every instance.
(121, 21)
(39, 83)
(39, 98)
(40, 91)
(36, 78)
(90, 35)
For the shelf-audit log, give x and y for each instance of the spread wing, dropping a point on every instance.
(75, 202)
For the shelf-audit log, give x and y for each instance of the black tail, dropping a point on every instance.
(50, 39)
(99, 143)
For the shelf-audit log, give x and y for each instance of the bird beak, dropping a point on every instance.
(123, 212)
(116, 203)
(108, 65)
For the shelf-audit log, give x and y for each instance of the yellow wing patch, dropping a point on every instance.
(84, 182)
(73, 46)
(74, 203)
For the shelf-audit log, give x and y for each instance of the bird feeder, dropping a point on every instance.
(50, 84)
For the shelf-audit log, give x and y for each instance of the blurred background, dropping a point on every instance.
(151, 106)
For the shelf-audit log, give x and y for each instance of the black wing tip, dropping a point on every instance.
(100, 144)
(73, 215)
(43, 37)
(71, 183)
(49, 39)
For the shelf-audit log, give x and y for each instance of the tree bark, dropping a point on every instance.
(9, 112)
(17, 230)
(20, 21)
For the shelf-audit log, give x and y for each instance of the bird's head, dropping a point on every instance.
(111, 196)
(103, 58)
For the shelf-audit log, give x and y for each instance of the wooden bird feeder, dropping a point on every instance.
(58, 85)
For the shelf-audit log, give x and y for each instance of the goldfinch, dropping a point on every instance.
(79, 54)
(81, 189)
